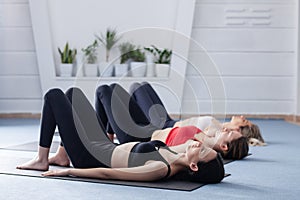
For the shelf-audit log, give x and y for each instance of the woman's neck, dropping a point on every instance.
(170, 157)
(181, 161)
(207, 140)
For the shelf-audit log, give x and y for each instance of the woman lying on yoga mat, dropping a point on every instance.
(94, 156)
(123, 116)
(148, 100)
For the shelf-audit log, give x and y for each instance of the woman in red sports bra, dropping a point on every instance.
(122, 116)
(219, 141)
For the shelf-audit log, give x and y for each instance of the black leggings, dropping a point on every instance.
(122, 115)
(84, 138)
(152, 106)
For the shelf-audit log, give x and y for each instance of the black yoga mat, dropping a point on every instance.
(33, 146)
(8, 166)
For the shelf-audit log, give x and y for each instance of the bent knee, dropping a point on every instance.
(73, 90)
(103, 90)
(134, 87)
(53, 92)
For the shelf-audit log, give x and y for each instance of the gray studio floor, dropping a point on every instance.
(271, 172)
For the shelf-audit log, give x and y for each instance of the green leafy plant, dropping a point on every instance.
(109, 39)
(131, 52)
(90, 52)
(67, 55)
(160, 56)
(125, 49)
(137, 55)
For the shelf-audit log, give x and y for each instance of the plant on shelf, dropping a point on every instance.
(132, 53)
(67, 58)
(137, 55)
(138, 65)
(68, 55)
(90, 59)
(109, 39)
(125, 49)
(90, 53)
(161, 58)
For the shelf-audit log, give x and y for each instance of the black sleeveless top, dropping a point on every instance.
(145, 151)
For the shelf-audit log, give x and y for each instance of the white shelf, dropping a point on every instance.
(98, 78)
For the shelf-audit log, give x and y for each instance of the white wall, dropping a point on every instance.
(297, 81)
(298, 92)
(20, 89)
(252, 44)
(142, 22)
(88, 17)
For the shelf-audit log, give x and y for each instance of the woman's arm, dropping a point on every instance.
(214, 126)
(152, 170)
(201, 122)
(186, 122)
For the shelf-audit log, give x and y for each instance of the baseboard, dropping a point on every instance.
(258, 116)
(289, 118)
(293, 119)
(21, 115)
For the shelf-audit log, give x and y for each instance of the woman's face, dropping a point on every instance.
(197, 152)
(240, 121)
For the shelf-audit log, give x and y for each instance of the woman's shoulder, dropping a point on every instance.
(161, 134)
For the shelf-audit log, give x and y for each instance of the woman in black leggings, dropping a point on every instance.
(144, 114)
(94, 155)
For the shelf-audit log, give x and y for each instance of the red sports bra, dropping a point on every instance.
(180, 135)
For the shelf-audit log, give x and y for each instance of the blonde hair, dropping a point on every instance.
(253, 134)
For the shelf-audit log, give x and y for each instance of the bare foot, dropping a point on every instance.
(59, 160)
(35, 164)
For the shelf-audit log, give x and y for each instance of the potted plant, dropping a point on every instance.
(109, 39)
(125, 49)
(162, 59)
(90, 59)
(138, 65)
(67, 58)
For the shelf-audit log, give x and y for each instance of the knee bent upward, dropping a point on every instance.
(53, 93)
(103, 90)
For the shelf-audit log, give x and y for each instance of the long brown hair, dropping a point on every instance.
(208, 172)
(237, 149)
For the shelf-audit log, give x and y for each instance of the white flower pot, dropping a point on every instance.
(121, 69)
(150, 65)
(105, 69)
(150, 69)
(162, 70)
(138, 69)
(90, 70)
(66, 70)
